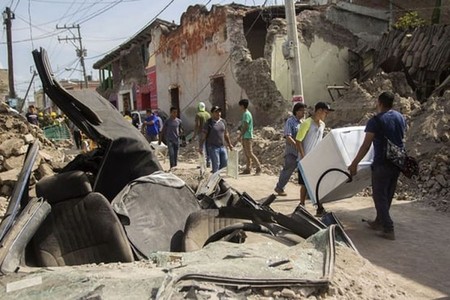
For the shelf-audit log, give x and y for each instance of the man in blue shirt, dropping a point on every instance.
(390, 124)
(290, 155)
(152, 126)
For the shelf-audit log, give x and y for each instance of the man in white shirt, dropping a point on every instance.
(308, 136)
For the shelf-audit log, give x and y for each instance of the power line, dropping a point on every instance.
(148, 23)
(100, 12)
(76, 2)
(31, 28)
(14, 9)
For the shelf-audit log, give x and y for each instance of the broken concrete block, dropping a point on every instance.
(28, 138)
(9, 176)
(14, 162)
(52, 155)
(45, 170)
(268, 133)
(22, 150)
(8, 146)
(23, 128)
(9, 124)
(441, 180)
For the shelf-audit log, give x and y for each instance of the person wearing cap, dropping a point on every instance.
(246, 136)
(308, 136)
(215, 134)
(200, 119)
(290, 154)
(388, 123)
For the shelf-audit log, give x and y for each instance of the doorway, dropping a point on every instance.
(175, 99)
(218, 94)
(126, 98)
(146, 101)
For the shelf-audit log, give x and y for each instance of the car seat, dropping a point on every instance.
(200, 225)
(81, 228)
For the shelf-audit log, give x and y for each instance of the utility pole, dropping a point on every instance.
(20, 108)
(8, 15)
(294, 48)
(81, 52)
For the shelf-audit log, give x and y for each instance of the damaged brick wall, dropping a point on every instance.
(132, 66)
(254, 77)
(198, 29)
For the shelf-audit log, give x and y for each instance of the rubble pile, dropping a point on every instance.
(15, 136)
(427, 137)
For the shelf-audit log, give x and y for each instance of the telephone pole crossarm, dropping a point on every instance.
(81, 52)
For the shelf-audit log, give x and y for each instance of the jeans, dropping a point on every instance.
(219, 157)
(290, 164)
(173, 153)
(384, 182)
(206, 154)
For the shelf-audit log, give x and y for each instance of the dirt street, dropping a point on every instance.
(417, 261)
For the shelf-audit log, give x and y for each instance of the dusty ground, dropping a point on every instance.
(415, 265)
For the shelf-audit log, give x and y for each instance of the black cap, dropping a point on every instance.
(323, 105)
(215, 108)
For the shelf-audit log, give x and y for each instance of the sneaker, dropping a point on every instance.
(389, 235)
(374, 225)
(258, 171)
(280, 192)
(245, 172)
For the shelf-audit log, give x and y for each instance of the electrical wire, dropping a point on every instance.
(148, 23)
(31, 27)
(16, 6)
(65, 2)
(99, 12)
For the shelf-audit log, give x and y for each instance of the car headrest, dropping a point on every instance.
(63, 186)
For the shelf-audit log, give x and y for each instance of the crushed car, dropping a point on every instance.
(112, 224)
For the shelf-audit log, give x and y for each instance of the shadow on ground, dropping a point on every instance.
(420, 251)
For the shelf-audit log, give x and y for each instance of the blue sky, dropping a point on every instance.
(104, 25)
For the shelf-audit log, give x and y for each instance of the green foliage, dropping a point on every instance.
(410, 20)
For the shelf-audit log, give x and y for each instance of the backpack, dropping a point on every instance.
(396, 155)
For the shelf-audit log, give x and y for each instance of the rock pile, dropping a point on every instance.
(15, 136)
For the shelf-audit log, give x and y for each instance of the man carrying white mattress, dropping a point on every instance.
(308, 136)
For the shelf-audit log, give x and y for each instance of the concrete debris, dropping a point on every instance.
(15, 136)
